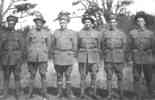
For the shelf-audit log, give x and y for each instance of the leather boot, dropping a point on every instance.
(6, 88)
(60, 90)
(30, 91)
(18, 90)
(93, 84)
(109, 88)
(121, 92)
(69, 90)
(44, 90)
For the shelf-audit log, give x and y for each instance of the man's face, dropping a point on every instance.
(113, 23)
(141, 22)
(11, 24)
(88, 24)
(63, 23)
(39, 24)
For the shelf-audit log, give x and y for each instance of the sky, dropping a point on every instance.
(51, 8)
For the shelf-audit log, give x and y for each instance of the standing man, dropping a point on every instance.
(12, 54)
(38, 45)
(142, 45)
(88, 53)
(114, 45)
(65, 48)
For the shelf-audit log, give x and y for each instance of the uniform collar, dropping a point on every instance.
(141, 29)
(62, 30)
(38, 29)
(87, 29)
(11, 30)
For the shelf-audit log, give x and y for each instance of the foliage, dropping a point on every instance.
(15, 7)
(92, 8)
(24, 7)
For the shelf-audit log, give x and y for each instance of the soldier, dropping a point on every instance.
(65, 47)
(88, 53)
(12, 54)
(114, 45)
(38, 45)
(142, 43)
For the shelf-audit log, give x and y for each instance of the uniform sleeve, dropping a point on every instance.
(129, 46)
(53, 45)
(153, 42)
(49, 43)
(2, 38)
(103, 44)
(28, 38)
(79, 41)
(22, 45)
(75, 41)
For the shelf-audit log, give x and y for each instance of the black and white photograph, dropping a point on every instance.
(77, 49)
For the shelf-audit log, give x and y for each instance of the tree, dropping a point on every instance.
(14, 8)
(118, 8)
(92, 8)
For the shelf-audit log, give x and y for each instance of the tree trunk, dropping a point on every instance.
(1, 10)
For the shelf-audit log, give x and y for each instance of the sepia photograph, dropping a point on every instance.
(77, 49)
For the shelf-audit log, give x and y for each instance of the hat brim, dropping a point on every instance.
(36, 19)
(12, 18)
(60, 18)
(92, 20)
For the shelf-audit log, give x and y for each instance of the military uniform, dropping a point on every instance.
(12, 47)
(12, 54)
(88, 55)
(65, 47)
(38, 53)
(141, 47)
(114, 45)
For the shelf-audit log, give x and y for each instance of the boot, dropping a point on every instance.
(44, 90)
(121, 92)
(17, 97)
(30, 91)
(82, 91)
(69, 91)
(18, 94)
(6, 88)
(18, 88)
(5, 94)
(60, 91)
(149, 90)
(93, 84)
(109, 88)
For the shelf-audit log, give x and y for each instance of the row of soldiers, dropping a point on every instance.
(87, 46)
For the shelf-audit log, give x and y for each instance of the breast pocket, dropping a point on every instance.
(65, 43)
(117, 42)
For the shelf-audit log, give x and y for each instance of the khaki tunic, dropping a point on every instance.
(38, 45)
(114, 45)
(65, 47)
(142, 43)
(89, 46)
(12, 47)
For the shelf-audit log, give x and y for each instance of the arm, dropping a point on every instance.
(48, 43)
(53, 45)
(75, 43)
(103, 44)
(22, 44)
(100, 44)
(129, 45)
